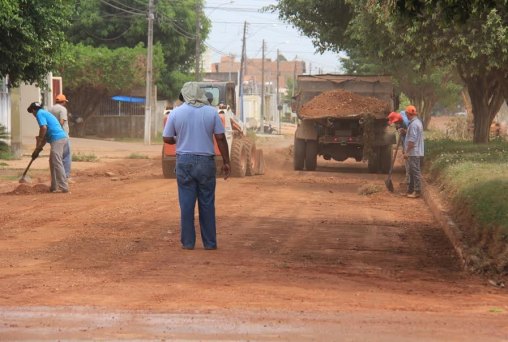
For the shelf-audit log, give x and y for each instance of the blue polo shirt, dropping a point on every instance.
(55, 131)
(405, 119)
(193, 128)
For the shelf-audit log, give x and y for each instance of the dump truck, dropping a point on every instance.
(341, 117)
(246, 159)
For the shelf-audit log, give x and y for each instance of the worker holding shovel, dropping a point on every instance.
(413, 152)
(51, 131)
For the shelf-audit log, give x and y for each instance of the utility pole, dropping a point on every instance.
(198, 40)
(261, 123)
(294, 78)
(277, 91)
(149, 58)
(241, 76)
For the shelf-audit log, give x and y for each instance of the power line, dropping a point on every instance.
(122, 9)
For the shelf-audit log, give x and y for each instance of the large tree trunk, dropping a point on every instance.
(486, 92)
(424, 104)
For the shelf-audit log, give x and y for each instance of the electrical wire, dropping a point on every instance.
(122, 9)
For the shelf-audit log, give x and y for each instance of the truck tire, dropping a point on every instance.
(168, 167)
(373, 162)
(299, 154)
(385, 156)
(311, 151)
(250, 145)
(259, 167)
(238, 158)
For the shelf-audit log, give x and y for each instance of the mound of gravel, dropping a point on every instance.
(340, 103)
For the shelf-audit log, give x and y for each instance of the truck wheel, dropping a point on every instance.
(385, 158)
(311, 152)
(168, 167)
(250, 145)
(259, 167)
(373, 162)
(299, 154)
(238, 158)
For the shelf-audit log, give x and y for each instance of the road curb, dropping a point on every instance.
(434, 201)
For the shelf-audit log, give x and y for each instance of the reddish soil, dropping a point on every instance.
(341, 103)
(302, 256)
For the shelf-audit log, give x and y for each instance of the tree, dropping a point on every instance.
(468, 35)
(32, 35)
(93, 73)
(123, 24)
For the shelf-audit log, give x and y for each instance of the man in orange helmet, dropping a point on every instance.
(413, 152)
(59, 110)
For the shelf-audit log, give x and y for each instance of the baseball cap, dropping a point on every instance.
(394, 117)
(61, 98)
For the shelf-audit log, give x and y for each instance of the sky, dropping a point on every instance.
(228, 16)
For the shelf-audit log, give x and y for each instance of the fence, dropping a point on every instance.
(120, 108)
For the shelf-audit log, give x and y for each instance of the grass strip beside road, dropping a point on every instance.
(475, 178)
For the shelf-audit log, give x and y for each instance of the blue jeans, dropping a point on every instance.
(195, 176)
(415, 174)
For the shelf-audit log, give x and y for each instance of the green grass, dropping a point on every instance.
(475, 176)
(6, 155)
(84, 157)
(137, 156)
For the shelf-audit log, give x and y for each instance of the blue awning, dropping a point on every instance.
(129, 99)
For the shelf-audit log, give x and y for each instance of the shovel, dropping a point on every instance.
(25, 178)
(388, 181)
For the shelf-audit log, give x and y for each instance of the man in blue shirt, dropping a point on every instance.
(192, 127)
(52, 132)
(413, 152)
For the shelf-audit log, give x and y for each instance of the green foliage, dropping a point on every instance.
(137, 156)
(91, 73)
(475, 179)
(32, 35)
(84, 157)
(475, 174)
(4, 147)
(420, 42)
(124, 25)
(115, 70)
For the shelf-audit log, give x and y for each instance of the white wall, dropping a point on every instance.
(29, 128)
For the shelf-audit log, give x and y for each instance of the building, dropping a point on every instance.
(253, 75)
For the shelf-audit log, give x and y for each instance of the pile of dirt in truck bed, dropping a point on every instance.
(340, 103)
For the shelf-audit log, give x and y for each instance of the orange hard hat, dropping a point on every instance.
(411, 110)
(394, 117)
(61, 98)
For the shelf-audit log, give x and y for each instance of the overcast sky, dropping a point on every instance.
(227, 28)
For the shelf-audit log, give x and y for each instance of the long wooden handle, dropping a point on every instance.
(26, 170)
(395, 154)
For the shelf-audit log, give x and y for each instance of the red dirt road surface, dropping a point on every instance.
(302, 257)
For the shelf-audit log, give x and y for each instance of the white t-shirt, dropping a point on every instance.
(60, 112)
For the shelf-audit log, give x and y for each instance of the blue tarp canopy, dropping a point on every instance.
(129, 99)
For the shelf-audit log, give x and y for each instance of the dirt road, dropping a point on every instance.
(302, 256)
